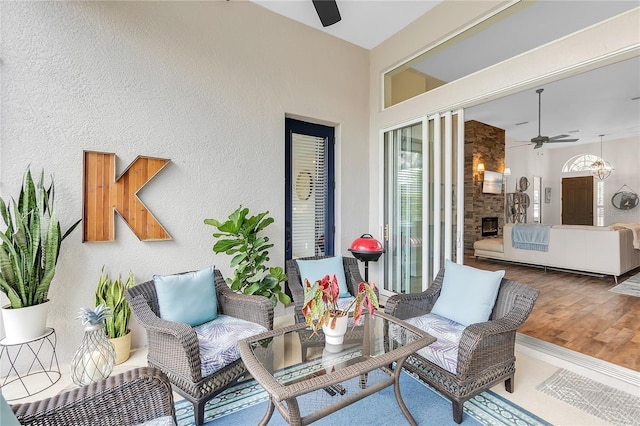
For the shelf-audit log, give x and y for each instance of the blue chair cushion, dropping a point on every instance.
(189, 297)
(7, 418)
(468, 294)
(316, 269)
(218, 341)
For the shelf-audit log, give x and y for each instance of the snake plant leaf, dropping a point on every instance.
(31, 243)
(111, 293)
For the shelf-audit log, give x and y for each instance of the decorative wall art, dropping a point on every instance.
(492, 183)
(547, 195)
(103, 194)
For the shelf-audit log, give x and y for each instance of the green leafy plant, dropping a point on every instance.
(239, 237)
(30, 244)
(110, 293)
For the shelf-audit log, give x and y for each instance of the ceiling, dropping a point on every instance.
(585, 106)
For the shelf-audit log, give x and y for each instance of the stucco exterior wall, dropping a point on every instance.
(204, 84)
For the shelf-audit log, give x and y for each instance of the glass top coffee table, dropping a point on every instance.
(308, 379)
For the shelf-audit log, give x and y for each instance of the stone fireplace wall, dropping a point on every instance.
(482, 144)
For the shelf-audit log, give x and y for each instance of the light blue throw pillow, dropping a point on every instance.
(189, 297)
(468, 294)
(315, 270)
(7, 418)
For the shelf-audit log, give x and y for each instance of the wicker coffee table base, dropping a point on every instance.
(290, 410)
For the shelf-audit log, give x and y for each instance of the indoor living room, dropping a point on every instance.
(575, 311)
(206, 88)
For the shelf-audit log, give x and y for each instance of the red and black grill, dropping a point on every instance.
(366, 249)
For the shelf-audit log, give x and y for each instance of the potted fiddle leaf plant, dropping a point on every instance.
(28, 256)
(321, 310)
(110, 293)
(239, 236)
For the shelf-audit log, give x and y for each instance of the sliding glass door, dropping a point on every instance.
(422, 207)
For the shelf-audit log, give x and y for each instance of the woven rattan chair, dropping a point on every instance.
(486, 350)
(351, 273)
(353, 277)
(173, 346)
(129, 398)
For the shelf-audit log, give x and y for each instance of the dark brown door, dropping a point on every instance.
(577, 200)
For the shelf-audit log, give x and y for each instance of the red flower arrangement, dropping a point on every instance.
(321, 302)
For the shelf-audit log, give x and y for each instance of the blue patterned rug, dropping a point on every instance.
(245, 404)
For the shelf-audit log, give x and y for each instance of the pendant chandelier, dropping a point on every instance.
(600, 168)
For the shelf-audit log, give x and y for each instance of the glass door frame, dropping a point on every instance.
(445, 245)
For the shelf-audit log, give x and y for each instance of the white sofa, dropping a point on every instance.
(597, 249)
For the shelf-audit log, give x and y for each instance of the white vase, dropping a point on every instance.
(24, 324)
(335, 336)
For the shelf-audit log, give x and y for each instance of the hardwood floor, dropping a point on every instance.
(578, 312)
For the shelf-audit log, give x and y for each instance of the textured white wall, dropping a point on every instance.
(205, 84)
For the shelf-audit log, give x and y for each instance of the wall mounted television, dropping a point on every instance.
(492, 183)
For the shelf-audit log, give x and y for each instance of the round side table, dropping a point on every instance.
(33, 366)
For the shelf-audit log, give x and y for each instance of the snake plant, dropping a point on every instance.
(110, 293)
(30, 244)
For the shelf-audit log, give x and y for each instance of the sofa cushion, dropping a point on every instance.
(218, 341)
(316, 269)
(584, 227)
(489, 244)
(468, 294)
(189, 297)
(444, 351)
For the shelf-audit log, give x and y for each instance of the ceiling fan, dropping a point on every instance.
(539, 140)
(327, 11)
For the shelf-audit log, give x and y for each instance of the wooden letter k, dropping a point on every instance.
(102, 194)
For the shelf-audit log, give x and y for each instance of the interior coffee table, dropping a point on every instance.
(330, 377)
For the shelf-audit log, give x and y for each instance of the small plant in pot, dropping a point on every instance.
(239, 237)
(110, 293)
(321, 310)
(28, 257)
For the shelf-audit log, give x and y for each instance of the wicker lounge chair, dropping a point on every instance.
(485, 351)
(174, 347)
(351, 272)
(353, 277)
(129, 398)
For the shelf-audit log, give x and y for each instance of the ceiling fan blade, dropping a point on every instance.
(540, 139)
(561, 140)
(327, 11)
(558, 137)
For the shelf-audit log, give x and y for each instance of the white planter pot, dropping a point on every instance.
(24, 324)
(335, 336)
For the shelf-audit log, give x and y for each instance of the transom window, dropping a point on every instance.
(580, 163)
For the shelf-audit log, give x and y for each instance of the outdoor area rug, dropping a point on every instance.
(605, 402)
(630, 286)
(246, 403)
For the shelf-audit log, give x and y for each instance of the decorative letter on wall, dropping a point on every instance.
(103, 194)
